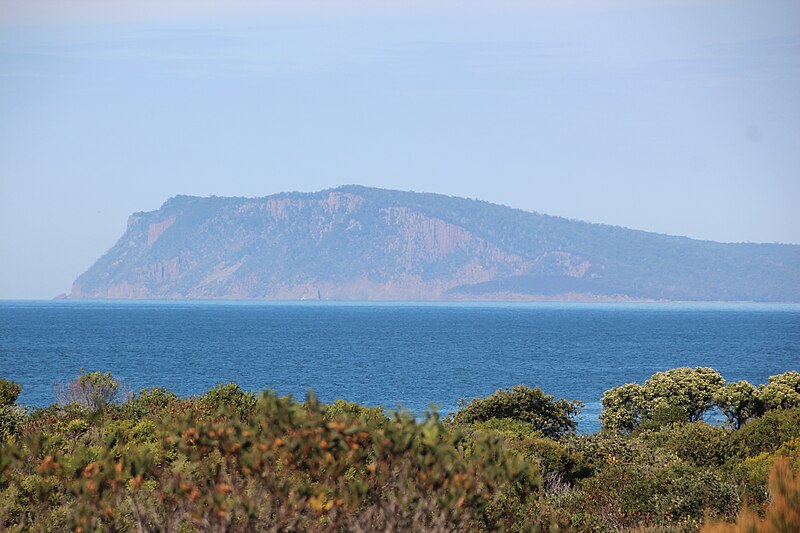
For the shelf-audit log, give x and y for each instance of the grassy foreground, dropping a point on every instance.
(233, 461)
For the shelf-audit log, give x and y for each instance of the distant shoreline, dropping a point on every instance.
(489, 298)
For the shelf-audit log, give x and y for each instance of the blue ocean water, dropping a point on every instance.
(409, 355)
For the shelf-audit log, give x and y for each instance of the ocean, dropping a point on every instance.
(418, 356)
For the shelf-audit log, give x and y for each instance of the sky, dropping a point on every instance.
(674, 116)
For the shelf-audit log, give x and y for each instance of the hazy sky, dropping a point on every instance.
(675, 116)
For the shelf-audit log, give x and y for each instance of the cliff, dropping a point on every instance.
(359, 243)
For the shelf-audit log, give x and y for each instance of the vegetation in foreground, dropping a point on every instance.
(233, 461)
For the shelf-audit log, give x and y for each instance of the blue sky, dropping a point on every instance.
(676, 117)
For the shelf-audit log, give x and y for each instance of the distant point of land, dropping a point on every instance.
(360, 243)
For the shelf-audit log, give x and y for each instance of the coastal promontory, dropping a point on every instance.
(360, 243)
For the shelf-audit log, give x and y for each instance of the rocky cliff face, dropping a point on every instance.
(362, 243)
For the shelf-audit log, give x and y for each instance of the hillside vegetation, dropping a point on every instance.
(362, 243)
(229, 460)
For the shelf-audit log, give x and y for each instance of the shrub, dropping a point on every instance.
(604, 449)
(148, 401)
(9, 392)
(228, 399)
(508, 427)
(374, 416)
(284, 467)
(11, 421)
(697, 443)
(553, 418)
(753, 472)
(783, 513)
(632, 495)
(766, 433)
(76, 426)
(229, 461)
(93, 390)
(558, 462)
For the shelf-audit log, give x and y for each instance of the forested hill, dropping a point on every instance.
(359, 243)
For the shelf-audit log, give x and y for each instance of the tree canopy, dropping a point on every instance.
(687, 394)
(739, 402)
(782, 391)
(677, 395)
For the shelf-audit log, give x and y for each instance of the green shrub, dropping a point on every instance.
(557, 462)
(634, 495)
(697, 443)
(11, 422)
(766, 433)
(682, 492)
(148, 402)
(687, 390)
(374, 416)
(508, 427)
(783, 513)
(752, 473)
(230, 461)
(228, 399)
(77, 426)
(286, 466)
(608, 449)
(9, 392)
(659, 416)
(93, 390)
(553, 418)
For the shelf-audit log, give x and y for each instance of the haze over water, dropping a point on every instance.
(412, 355)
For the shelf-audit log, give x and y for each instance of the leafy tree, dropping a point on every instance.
(622, 408)
(782, 391)
(690, 390)
(676, 395)
(740, 402)
(553, 418)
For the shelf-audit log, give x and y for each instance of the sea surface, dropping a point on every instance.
(414, 355)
